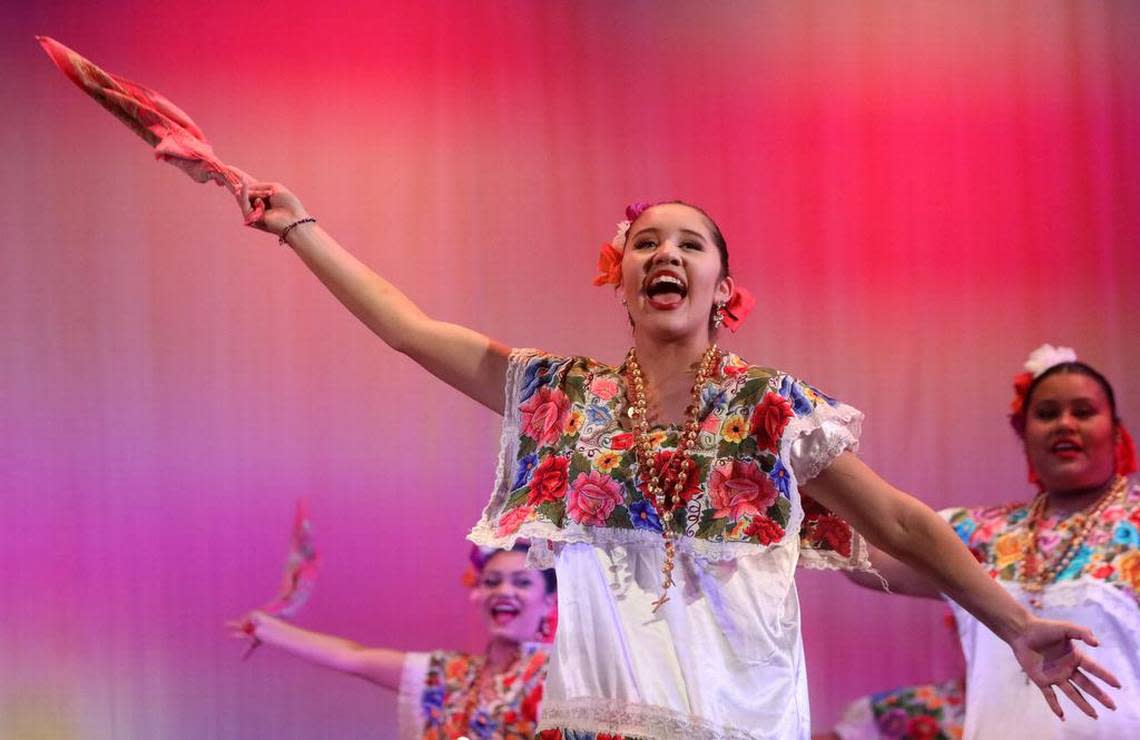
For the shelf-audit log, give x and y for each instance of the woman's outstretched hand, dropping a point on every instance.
(1049, 658)
(281, 206)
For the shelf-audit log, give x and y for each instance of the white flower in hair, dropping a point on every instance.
(1046, 356)
(618, 241)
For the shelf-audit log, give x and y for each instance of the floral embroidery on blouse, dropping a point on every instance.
(576, 463)
(935, 711)
(511, 715)
(569, 734)
(998, 537)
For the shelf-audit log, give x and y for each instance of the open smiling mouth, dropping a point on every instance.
(1066, 448)
(503, 613)
(665, 290)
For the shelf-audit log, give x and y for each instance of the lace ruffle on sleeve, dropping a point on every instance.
(821, 429)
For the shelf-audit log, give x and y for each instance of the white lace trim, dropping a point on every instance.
(483, 533)
(409, 719)
(810, 443)
(593, 714)
(543, 535)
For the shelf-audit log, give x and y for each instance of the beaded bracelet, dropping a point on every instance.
(298, 222)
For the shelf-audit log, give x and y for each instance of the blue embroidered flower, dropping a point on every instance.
(537, 373)
(522, 474)
(790, 390)
(712, 397)
(597, 414)
(781, 479)
(965, 527)
(483, 726)
(643, 516)
(1077, 564)
(432, 703)
(1126, 534)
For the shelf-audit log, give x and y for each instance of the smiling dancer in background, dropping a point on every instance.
(451, 694)
(1072, 553)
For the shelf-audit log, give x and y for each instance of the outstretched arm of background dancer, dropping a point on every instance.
(912, 532)
(378, 665)
(464, 359)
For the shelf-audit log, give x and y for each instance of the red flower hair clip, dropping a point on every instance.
(737, 308)
(732, 313)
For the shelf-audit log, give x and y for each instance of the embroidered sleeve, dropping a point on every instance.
(410, 717)
(813, 429)
(527, 500)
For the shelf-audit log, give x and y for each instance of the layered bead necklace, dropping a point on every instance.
(655, 479)
(1035, 577)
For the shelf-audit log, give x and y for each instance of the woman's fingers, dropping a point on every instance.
(1051, 700)
(1069, 689)
(1089, 665)
(1087, 685)
(1075, 632)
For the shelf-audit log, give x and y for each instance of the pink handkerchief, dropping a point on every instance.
(175, 137)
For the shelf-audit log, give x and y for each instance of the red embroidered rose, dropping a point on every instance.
(734, 369)
(550, 735)
(544, 415)
(510, 522)
(531, 703)
(592, 498)
(833, 531)
(769, 419)
(548, 482)
(1102, 572)
(740, 488)
(765, 530)
(813, 508)
(621, 441)
(661, 463)
(604, 388)
(921, 727)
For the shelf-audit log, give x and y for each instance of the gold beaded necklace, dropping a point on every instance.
(1035, 577)
(658, 499)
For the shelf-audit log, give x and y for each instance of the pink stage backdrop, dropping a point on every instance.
(919, 193)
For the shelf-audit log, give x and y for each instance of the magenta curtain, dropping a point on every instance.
(918, 193)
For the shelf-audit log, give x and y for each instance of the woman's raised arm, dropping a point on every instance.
(378, 665)
(464, 359)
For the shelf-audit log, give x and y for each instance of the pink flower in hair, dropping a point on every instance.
(635, 209)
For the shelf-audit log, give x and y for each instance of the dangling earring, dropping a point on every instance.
(718, 315)
(544, 631)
